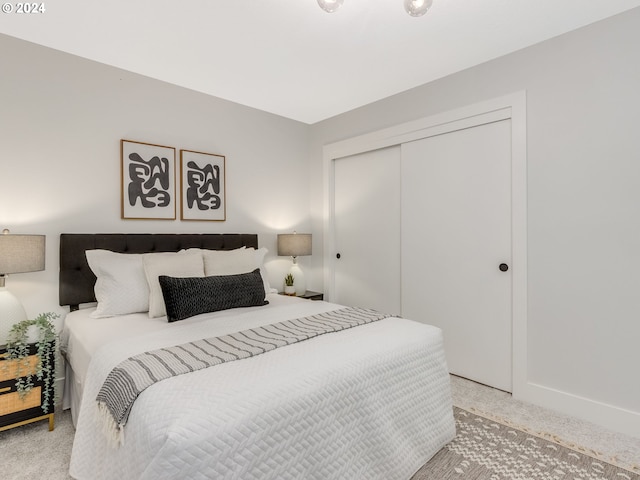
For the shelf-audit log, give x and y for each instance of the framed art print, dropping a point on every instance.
(148, 181)
(202, 180)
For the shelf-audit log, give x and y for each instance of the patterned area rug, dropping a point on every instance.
(488, 449)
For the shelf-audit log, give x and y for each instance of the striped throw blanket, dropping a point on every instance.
(132, 376)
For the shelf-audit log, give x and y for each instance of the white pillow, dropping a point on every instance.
(231, 262)
(260, 254)
(121, 286)
(228, 262)
(182, 264)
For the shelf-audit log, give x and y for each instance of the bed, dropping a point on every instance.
(370, 402)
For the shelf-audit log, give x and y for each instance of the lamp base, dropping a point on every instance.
(11, 312)
(298, 279)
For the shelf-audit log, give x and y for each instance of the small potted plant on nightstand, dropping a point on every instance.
(289, 289)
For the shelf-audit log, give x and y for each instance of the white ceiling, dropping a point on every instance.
(291, 58)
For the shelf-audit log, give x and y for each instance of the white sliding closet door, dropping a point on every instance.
(367, 230)
(456, 233)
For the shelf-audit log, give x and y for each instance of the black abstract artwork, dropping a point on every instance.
(148, 181)
(203, 186)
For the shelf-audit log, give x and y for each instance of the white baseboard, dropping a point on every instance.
(608, 416)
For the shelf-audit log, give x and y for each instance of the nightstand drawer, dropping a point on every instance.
(12, 403)
(9, 368)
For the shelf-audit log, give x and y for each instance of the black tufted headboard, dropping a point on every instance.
(77, 280)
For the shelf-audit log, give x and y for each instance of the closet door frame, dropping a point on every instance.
(513, 107)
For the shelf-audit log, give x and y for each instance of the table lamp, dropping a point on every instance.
(295, 245)
(18, 254)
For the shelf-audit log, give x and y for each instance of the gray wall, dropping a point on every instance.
(61, 121)
(583, 115)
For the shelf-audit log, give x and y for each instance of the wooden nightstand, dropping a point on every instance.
(310, 295)
(16, 411)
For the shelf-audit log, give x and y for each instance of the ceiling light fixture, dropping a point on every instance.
(415, 8)
(330, 6)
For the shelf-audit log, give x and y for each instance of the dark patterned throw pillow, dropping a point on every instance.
(189, 296)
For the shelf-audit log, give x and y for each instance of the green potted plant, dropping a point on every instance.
(289, 289)
(17, 346)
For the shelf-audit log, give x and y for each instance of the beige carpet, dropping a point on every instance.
(32, 452)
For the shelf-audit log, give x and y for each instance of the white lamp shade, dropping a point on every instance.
(21, 253)
(294, 244)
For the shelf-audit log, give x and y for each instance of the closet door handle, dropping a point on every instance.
(338, 256)
(503, 267)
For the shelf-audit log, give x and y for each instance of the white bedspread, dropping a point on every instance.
(372, 402)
